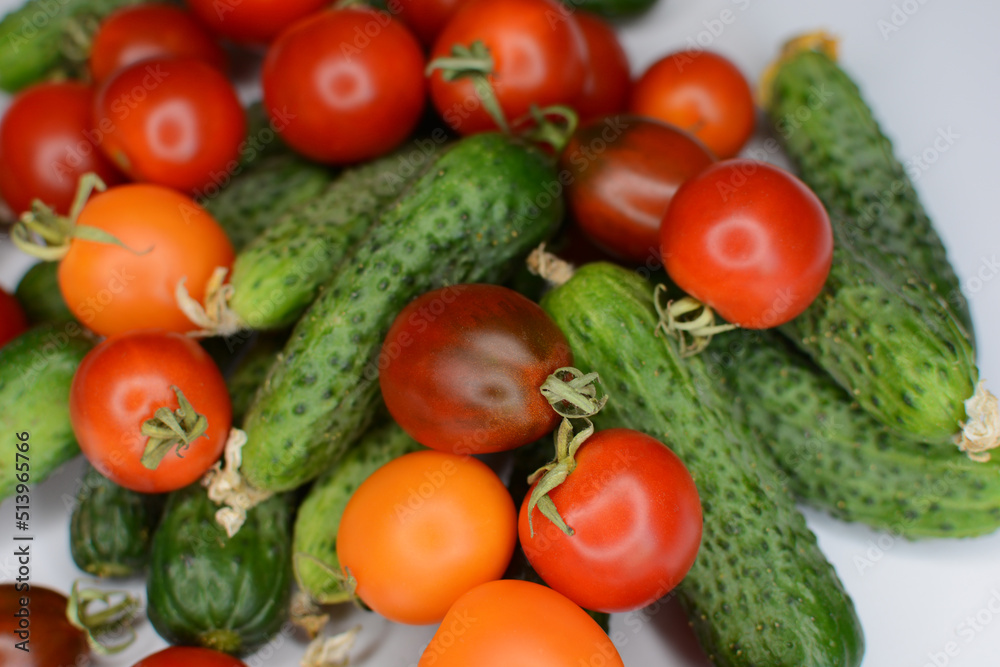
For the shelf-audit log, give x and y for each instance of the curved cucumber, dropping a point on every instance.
(760, 591)
(39, 295)
(483, 203)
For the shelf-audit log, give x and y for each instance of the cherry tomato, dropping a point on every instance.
(537, 51)
(174, 121)
(13, 321)
(189, 656)
(701, 92)
(509, 622)
(423, 529)
(636, 520)
(750, 240)
(625, 170)
(352, 82)
(153, 30)
(252, 21)
(607, 79)
(47, 141)
(122, 382)
(426, 18)
(45, 621)
(461, 367)
(112, 289)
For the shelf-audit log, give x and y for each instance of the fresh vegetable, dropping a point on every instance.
(426, 18)
(317, 566)
(150, 410)
(253, 21)
(190, 656)
(172, 121)
(549, 629)
(39, 296)
(611, 9)
(229, 594)
(351, 80)
(250, 372)
(461, 367)
(111, 527)
(749, 240)
(701, 92)
(625, 170)
(607, 78)
(480, 205)
(36, 370)
(48, 141)
(760, 591)
(13, 320)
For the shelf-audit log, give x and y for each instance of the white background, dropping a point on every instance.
(940, 71)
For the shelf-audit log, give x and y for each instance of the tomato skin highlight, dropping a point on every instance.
(423, 529)
(510, 622)
(122, 382)
(461, 368)
(750, 240)
(53, 639)
(189, 656)
(607, 78)
(13, 321)
(625, 171)
(252, 21)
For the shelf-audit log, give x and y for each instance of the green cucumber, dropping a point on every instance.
(760, 592)
(111, 527)
(39, 294)
(837, 458)
(317, 568)
(612, 9)
(36, 371)
(250, 373)
(482, 204)
(230, 594)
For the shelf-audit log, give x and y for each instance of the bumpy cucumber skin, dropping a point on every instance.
(837, 458)
(111, 527)
(36, 371)
(316, 566)
(484, 203)
(39, 295)
(612, 8)
(842, 154)
(281, 271)
(760, 592)
(207, 589)
(250, 373)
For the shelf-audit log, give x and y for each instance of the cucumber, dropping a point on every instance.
(840, 151)
(760, 591)
(612, 9)
(207, 589)
(837, 458)
(317, 568)
(482, 204)
(36, 371)
(39, 294)
(111, 527)
(250, 373)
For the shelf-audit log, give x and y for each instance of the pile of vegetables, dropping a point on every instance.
(435, 328)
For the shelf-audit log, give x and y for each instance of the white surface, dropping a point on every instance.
(939, 72)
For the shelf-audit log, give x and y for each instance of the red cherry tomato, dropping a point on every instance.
(252, 21)
(47, 141)
(625, 171)
(189, 656)
(153, 30)
(427, 18)
(461, 367)
(636, 520)
(351, 81)
(538, 59)
(13, 321)
(175, 122)
(701, 92)
(508, 622)
(122, 382)
(422, 530)
(750, 240)
(607, 79)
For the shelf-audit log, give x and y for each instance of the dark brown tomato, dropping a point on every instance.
(52, 640)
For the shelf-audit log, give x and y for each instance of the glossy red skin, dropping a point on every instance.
(153, 30)
(621, 188)
(461, 367)
(189, 656)
(122, 382)
(607, 80)
(538, 54)
(13, 321)
(53, 640)
(252, 21)
(172, 121)
(426, 18)
(701, 92)
(750, 240)
(637, 521)
(349, 96)
(47, 141)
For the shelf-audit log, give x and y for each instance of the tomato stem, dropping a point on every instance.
(551, 475)
(101, 627)
(168, 429)
(476, 63)
(676, 320)
(553, 125)
(572, 393)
